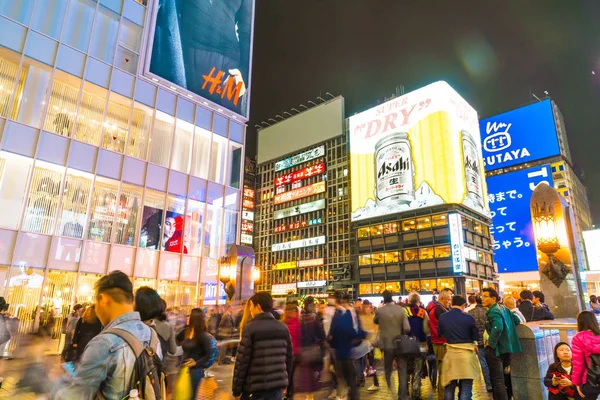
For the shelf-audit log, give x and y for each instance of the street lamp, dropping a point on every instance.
(227, 277)
(255, 274)
(544, 203)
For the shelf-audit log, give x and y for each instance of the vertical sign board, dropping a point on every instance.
(509, 197)
(210, 294)
(457, 243)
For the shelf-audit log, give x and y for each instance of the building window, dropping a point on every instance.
(439, 220)
(193, 226)
(30, 102)
(409, 225)
(116, 124)
(78, 24)
(201, 153)
(218, 160)
(152, 216)
(442, 251)
(103, 209)
(104, 38)
(425, 253)
(364, 259)
(127, 215)
(411, 255)
(90, 117)
(139, 135)
(14, 177)
(43, 198)
(73, 208)
(423, 223)
(363, 232)
(182, 149)
(392, 257)
(162, 139)
(235, 164)
(62, 104)
(8, 73)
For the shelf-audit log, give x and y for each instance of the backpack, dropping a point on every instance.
(148, 377)
(593, 372)
(214, 351)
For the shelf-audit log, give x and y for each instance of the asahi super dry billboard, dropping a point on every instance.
(418, 150)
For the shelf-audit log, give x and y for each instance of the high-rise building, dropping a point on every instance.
(522, 148)
(121, 149)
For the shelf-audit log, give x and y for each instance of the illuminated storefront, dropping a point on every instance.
(104, 167)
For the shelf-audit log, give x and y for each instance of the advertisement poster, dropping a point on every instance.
(519, 136)
(173, 233)
(418, 150)
(205, 47)
(151, 225)
(509, 199)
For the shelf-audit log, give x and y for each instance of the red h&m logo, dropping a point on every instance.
(228, 89)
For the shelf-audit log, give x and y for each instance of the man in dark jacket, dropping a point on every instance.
(479, 313)
(263, 363)
(530, 311)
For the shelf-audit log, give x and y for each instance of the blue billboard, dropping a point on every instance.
(519, 136)
(509, 196)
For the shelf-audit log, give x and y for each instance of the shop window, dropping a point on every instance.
(62, 104)
(56, 300)
(393, 287)
(172, 237)
(85, 288)
(364, 259)
(116, 124)
(162, 139)
(392, 257)
(363, 232)
(29, 103)
(477, 227)
(412, 286)
(168, 291)
(378, 258)
(14, 176)
(201, 153)
(365, 288)
(235, 164)
(472, 286)
(442, 251)
(231, 214)
(43, 198)
(218, 160)
(17, 10)
(193, 226)
(103, 209)
(104, 37)
(9, 70)
(377, 230)
(73, 208)
(390, 228)
(378, 287)
(139, 135)
(152, 216)
(423, 223)
(439, 220)
(212, 228)
(127, 215)
(426, 253)
(186, 297)
(447, 283)
(141, 282)
(78, 24)
(90, 117)
(428, 285)
(409, 225)
(49, 17)
(182, 148)
(411, 255)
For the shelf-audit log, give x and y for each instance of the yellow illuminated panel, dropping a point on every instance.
(285, 265)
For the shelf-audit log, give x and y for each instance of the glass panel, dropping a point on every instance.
(201, 153)
(390, 228)
(102, 210)
(78, 24)
(218, 159)
(378, 258)
(411, 255)
(139, 135)
(91, 114)
(56, 303)
(182, 147)
(442, 251)
(139, 282)
(168, 291)
(212, 228)
(408, 225)
(173, 226)
(378, 287)
(193, 226)
(14, 176)
(73, 208)
(30, 102)
(43, 198)
(127, 216)
(364, 259)
(363, 232)
(17, 10)
(187, 296)
(439, 220)
(235, 164)
(95, 257)
(230, 229)
(365, 288)
(423, 223)
(426, 253)
(8, 74)
(117, 123)
(154, 205)
(62, 104)
(393, 287)
(122, 259)
(392, 257)
(130, 35)
(189, 269)
(162, 139)
(104, 39)
(377, 230)
(447, 283)
(49, 17)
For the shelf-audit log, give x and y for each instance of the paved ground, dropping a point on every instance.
(218, 387)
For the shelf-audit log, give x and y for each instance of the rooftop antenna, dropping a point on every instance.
(271, 119)
(280, 117)
(266, 123)
(322, 99)
(327, 93)
(285, 112)
(293, 109)
(302, 105)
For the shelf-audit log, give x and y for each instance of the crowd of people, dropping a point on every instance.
(131, 345)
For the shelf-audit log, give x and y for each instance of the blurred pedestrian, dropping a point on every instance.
(246, 317)
(87, 328)
(371, 330)
(70, 322)
(509, 302)
(594, 305)
(393, 322)
(311, 352)
(439, 307)
(419, 327)
(531, 311)
(585, 344)
(472, 299)
(292, 320)
(479, 314)
(264, 360)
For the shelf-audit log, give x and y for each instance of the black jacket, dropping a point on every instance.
(264, 356)
(85, 332)
(532, 313)
(200, 352)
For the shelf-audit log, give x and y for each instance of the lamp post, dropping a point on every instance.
(227, 278)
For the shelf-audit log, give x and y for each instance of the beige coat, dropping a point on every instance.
(460, 362)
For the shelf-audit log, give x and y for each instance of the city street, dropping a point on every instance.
(219, 386)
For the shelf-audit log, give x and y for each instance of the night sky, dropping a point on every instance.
(493, 53)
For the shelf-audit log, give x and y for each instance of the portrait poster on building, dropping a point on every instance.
(151, 224)
(173, 233)
(204, 46)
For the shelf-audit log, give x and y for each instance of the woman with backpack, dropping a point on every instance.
(586, 356)
(199, 348)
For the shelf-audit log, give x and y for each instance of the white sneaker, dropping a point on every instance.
(207, 374)
(333, 395)
(373, 388)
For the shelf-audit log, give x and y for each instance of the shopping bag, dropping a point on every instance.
(377, 354)
(183, 386)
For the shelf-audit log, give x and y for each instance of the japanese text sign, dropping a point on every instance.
(284, 265)
(299, 193)
(301, 174)
(509, 196)
(283, 288)
(457, 243)
(315, 262)
(300, 158)
(296, 244)
(300, 209)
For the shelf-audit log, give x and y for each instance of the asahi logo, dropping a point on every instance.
(387, 168)
(498, 139)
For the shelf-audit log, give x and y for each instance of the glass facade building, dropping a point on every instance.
(102, 168)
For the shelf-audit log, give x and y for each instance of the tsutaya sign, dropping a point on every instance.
(300, 158)
(300, 209)
(311, 284)
(457, 243)
(301, 174)
(297, 244)
(299, 193)
(283, 288)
